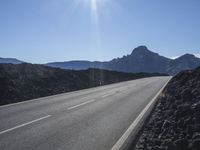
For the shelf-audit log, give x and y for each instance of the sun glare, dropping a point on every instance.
(93, 4)
(95, 8)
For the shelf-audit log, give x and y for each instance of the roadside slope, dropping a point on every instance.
(175, 122)
(27, 81)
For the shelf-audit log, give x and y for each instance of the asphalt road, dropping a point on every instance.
(92, 119)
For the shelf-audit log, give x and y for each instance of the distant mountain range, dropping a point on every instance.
(140, 60)
(10, 61)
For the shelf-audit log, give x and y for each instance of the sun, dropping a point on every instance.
(93, 4)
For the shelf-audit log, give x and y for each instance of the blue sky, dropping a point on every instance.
(40, 31)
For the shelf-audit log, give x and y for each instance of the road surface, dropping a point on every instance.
(92, 119)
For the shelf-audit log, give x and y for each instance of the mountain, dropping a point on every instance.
(10, 61)
(27, 81)
(140, 60)
(143, 60)
(184, 62)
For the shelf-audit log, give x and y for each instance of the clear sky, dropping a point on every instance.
(41, 31)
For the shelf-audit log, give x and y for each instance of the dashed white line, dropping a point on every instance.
(107, 95)
(104, 96)
(84, 103)
(25, 124)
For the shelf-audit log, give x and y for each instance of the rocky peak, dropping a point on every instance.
(142, 51)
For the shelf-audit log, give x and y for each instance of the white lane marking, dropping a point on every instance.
(25, 124)
(109, 94)
(84, 103)
(104, 96)
(115, 92)
(128, 132)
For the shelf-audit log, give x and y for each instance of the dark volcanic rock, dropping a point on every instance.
(175, 121)
(195, 145)
(26, 81)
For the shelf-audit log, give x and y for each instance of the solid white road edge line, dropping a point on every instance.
(128, 132)
(25, 124)
(84, 103)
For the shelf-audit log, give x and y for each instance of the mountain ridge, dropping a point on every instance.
(10, 61)
(141, 59)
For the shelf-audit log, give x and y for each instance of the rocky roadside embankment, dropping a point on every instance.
(22, 82)
(175, 122)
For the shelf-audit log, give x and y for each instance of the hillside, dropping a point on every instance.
(26, 81)
(175, 122)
